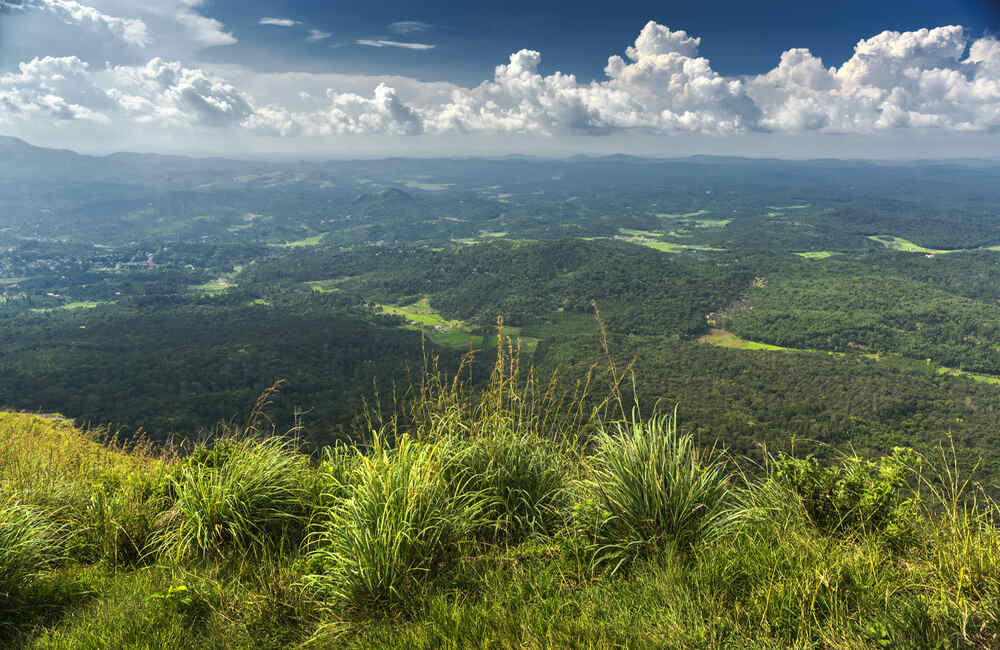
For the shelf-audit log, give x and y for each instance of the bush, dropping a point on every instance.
(29, 543)
(654, 488)
(525, 479)
(402, 517)
(237, 495)
(855, 496)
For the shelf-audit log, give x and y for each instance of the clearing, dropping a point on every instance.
(421, 316)
(725, 339)
(308, 241)
(817, 255)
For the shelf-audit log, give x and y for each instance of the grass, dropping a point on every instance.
(651, 239)
(421, 316)
(530, 514)
(314, 240)
(687, 215)
(974, 376)
(78, 304)
(906, 246)
(725, 339)
(655, 489)
(212, 287)
(29, 544)
(817, 255)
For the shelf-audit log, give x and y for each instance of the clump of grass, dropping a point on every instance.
(29, 543)
(121, 515)
(404, 514)
(655, 488)
(525, 478)
(235, 495)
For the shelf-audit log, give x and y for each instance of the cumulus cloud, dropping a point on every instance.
(130, 30)
(345, 114)
(664, 87)
(371, 42)
(50, 89)
(893, 80)
(408, 26)
(160, 94)
(925, 79)
(278, 22)
(165, 93)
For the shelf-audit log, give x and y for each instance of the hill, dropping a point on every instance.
(512, 519)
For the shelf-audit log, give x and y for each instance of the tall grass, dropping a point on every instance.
(656, 488)
(491, 518)
(235, 496)
(29, 544)
(406, 512)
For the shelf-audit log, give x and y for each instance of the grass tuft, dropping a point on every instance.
(30, 543)
(405, 513)
(241, 496)
(655, 489)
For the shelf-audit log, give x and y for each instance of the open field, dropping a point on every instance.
(817, 255)
(421, 316)
(307, 241)
(906, 246)
(689, 215)
(212, 287)
(427, 187)
(78, 304)
(974, 376)
(724, 339)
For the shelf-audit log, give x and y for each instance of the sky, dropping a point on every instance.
(353, 78)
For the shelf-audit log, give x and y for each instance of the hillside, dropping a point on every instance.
(515, 518)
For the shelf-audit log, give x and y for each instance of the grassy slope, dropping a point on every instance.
(768, 577)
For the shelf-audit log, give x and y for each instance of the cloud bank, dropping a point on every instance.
(938, 79)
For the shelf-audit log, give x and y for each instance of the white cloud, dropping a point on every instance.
(161, 94)
(345, 114)
(278, 22)
(408, 26)
(937, 79)
(49, 89)
(664, 87)
(317, 35)
(130, 30)
(406, 46)
(166, 94)
(893, 80)
(178, 27)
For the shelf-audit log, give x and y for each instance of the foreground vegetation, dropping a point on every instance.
(525, 515)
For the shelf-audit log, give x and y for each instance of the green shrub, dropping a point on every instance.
(239, 495)
(29, 543)
(404, 513)
(525, 479)
(654, 488)
(855, 496)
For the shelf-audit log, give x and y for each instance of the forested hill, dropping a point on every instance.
(853, 303)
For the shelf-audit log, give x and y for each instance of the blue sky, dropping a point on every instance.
(352, 77)
(471, 38)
